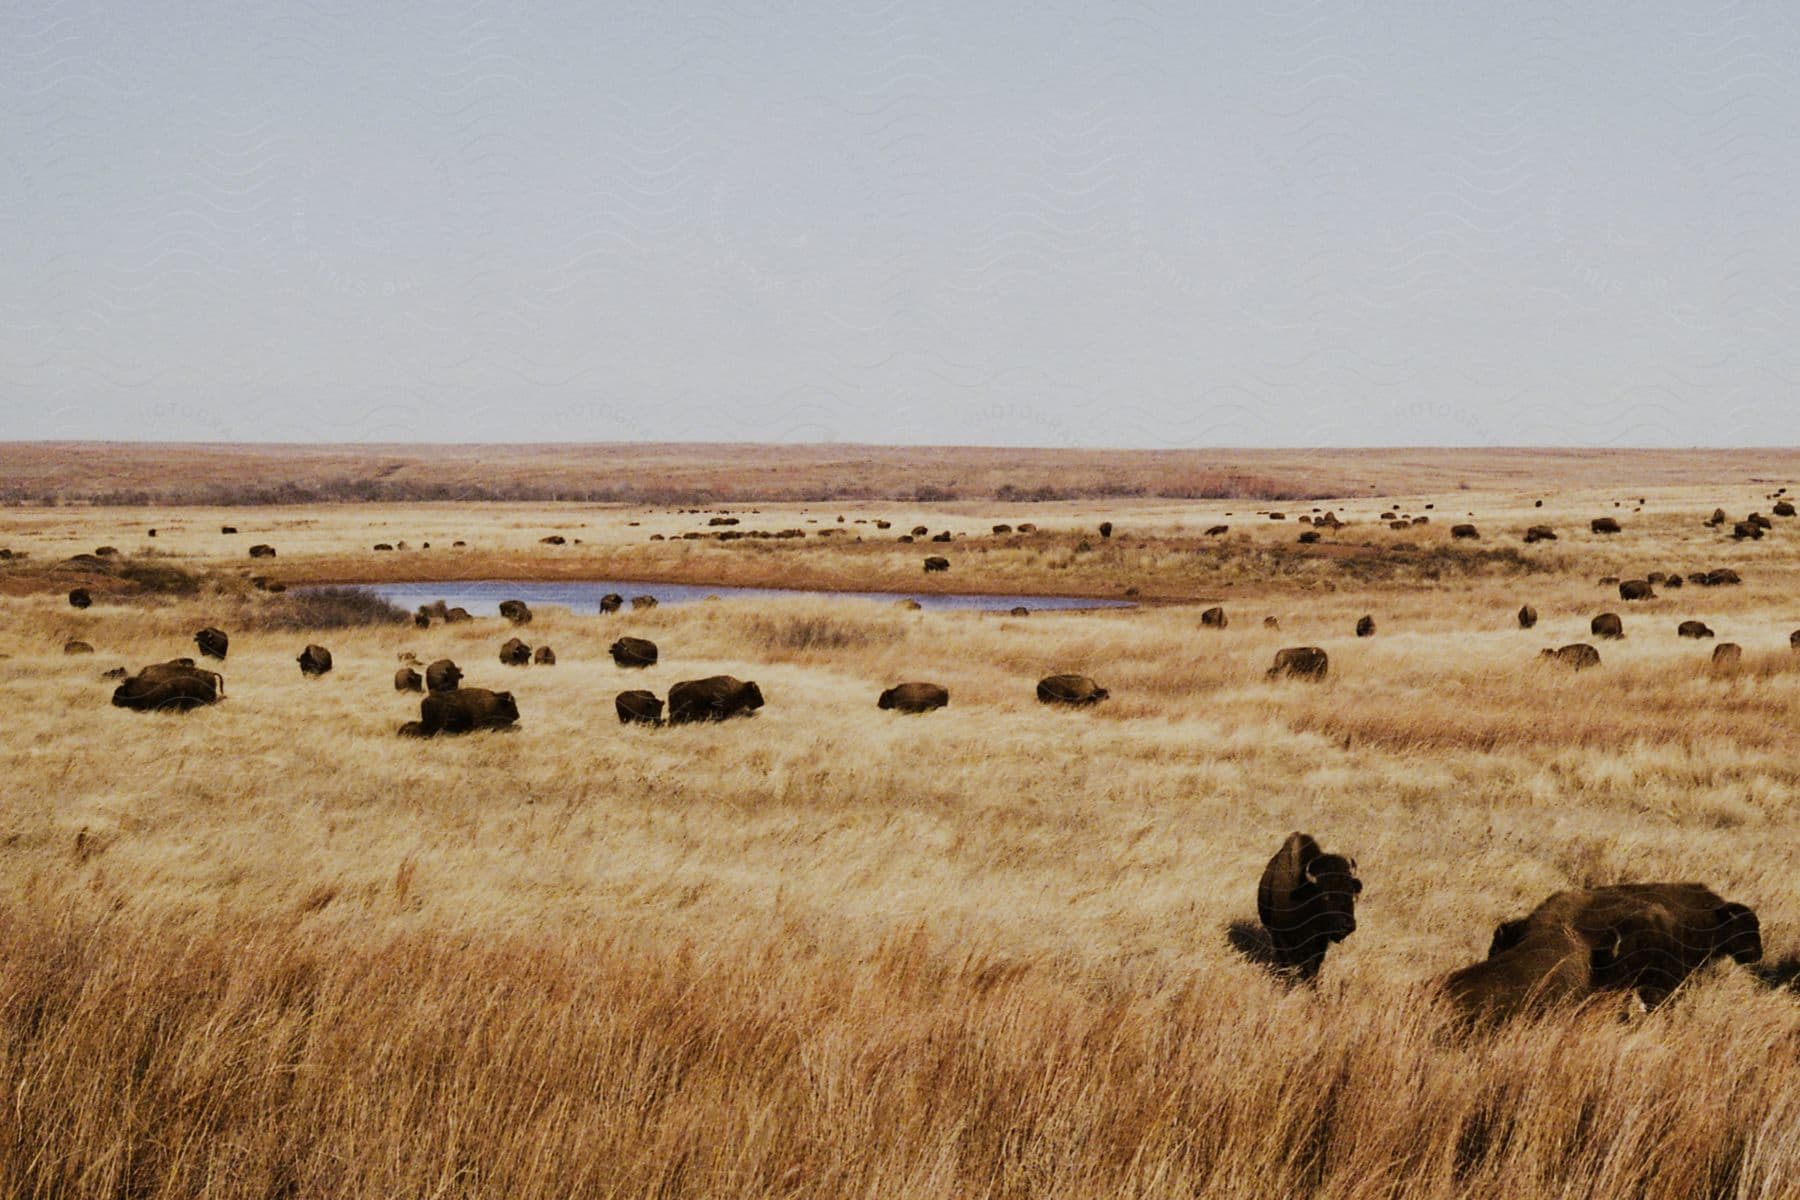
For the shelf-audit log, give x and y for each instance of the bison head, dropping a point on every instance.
(505, 705)
(1330, 887)
(751, 697)
(1737, 932)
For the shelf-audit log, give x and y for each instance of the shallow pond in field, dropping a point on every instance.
(482, 597)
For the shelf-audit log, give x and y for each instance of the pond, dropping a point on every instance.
(482, 597)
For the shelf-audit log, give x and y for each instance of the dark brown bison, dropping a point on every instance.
(72, 646)
(998, 529)
(640, 707)
(514, 653)
(914, 697)
(1106, 528)
(1070, 689)
(314, 660)
(1636, 589)
(262, 550)
(544, 656)
(1746, 529)
(1527, 616)
(1693, 629)
(1718, 518)
(1577, 657)
(643, 602)
(453, 615)
(1534, 964)
(382, 546)
(443, 676)
(1462, 531)
(936, 563)
(634, 652)
(1756, 519)
(1604, 525)
(1309, 538)
(612, 602)
(1722, 577)
(79, 598)
(554, 539)
(942, 535)
(1784, 509)
(422, 618)
(1540, 533)
(1019, 610)
(213, 643)
(1307, 902)
(1214, 618)
(1365, 626)
(1671, 581)
(408, 680)
(1794, 641)
(1217, 530)
(1727, 654)
(712, 699)
(1301, 662)
(1607, 625)
(228, 529)
(174, 686)
(919, 531)
(516, 611)
(465, 710)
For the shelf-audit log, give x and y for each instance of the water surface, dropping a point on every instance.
(482, 597)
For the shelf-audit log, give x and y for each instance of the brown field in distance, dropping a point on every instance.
(268, 948)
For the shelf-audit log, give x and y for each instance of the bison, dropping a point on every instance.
(314, 661)
(1070, 689)
(174, 686)
(262, 550)
(638, 602)
(1106, 529)
(633, 652)
(1217, 530)
(443, 676)
(1607, 625)
(1540, 533)
(1365, 626)
(1636, 589)
(640, 707)
(79, 598)
(408, 680)
(1577, 657)
(712, 699)
(1214, 618)
(1018, 610)
(213, 643)
(516, 611)
(465, 710)
(544, 656)
(554, 539)
(1604, 525)
(1307, 902)
(1527, 616)
(1301, 662)
(612, 602)
(1462, 531)
(1693, 629)
(936, 563)
(73, 646)
(914, 697)
(514, 653)
(1727, 654)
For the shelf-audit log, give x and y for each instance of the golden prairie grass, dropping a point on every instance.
(270, 949)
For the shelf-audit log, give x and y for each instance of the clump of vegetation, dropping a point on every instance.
(818, 631)
(326, 608)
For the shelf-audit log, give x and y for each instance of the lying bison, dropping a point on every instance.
(213, 643)
(936, 563)
(638, 707)
(1527, 616)
(315, 660)
(914, 697)
(1214, 618)
(1301, 662)
(463, 711)
(1577, 657)
(634, 652)
(544, 656)
(174, 686)
(79, 598)
(1607, 625)
(75, 646)
(1636, 589)
(443, 676)
(1307, 902)
(516, 611)
(514, 653)
(1693, 629)
(1604, 525)
(712, 699)
(1018, 610)
(262, 550)
(1070, 689)
(408, 680)
(1462, 531)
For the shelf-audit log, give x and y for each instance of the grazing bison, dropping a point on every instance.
(175, 686)
(1527, 616)
(914, 697)
(640, 707)
(466, 709)
(1365, 626)
(638, 602)
(1462, 531)
(1604, 525)
(408, 680)
(1607, 625)
(1540, 533)
(712, 699)
(1214, 618)
(314, 660)
(1727, 654)
(1301, 662)
(1693, 629)
(77, 647)
(936, 563)
(515, 611)
(612, 602)
(213, 643)
(443, 676)
(544, 656)
(1307, 901)
(634, 652)
(79, 598)
(1106, 528)
(514, 653)
(1636, 589)
(1069, 689)
(1577, 657)
(262, 550)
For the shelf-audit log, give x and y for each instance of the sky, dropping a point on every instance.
(1052, 223)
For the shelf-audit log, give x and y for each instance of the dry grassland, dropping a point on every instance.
(268, 949)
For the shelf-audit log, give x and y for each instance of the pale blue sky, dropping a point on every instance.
(1117, 224)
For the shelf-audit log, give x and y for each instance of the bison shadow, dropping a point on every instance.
(1251, 940)
(1781, 975)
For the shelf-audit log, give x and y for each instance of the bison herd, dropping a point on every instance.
(1643, 939)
